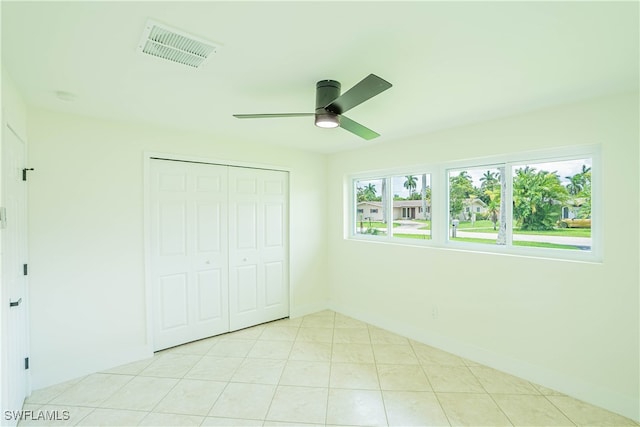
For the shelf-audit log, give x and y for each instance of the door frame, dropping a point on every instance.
(148, 156)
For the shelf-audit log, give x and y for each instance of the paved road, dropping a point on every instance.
(561, 240)
(409, 227)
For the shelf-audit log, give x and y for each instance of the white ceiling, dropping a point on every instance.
(450, 63)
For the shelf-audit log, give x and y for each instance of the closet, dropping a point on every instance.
(218, 249)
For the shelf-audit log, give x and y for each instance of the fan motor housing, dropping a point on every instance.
(326, 92)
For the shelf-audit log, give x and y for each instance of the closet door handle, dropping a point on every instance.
(15, 303)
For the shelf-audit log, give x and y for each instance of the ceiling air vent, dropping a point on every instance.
(174, 45)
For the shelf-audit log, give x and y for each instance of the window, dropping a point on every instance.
(534, 204)
(547, 204)
(552, 204)
(369, 195)
(411, 201)
(474, 204)
(399, 206)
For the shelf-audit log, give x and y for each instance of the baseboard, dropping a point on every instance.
(607, 399)
(45, 379)
(305, 309)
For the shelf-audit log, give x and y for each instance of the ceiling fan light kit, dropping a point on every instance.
(326, 91)
(330, 105)
(327, 120)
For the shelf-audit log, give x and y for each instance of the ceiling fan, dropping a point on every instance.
(330, 105)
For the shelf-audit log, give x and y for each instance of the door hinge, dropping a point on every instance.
(25, 269)
(26, 363)
(24, 173)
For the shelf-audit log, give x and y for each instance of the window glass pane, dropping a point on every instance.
(370, 211)
(412, 206)
(475, 205)
(552, 204)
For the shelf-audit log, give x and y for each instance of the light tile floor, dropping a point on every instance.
(322, 369)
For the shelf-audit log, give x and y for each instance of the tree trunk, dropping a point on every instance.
(384, 200)
(502, 232)
(424, 196)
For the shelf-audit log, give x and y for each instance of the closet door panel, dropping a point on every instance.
(188, 251)
(258, 218)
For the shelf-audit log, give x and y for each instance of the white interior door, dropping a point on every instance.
(14, 344)
(258, 246)
(189, 253)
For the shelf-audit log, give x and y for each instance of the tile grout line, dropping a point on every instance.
(375, 364)
(177, 382)
(430, 384)
(277, 385)
(560, 410)
(103, 400)
(246, 356)
(492, 398)
(333, 334)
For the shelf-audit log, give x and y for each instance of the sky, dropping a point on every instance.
(563, 168)
(398, 184)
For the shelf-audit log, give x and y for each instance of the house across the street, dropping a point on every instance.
(402, 209)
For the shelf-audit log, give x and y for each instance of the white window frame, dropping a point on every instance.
(439, 184)
(352, 221)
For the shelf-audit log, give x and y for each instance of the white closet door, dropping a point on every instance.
(258, 246)
(189, 252)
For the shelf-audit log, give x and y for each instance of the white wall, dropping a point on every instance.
(570, 326)
(86, 235)
(14, 110)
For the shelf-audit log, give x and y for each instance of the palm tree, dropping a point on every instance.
(411, 183)
(370, 191)
(579, 188)
(423, 197)
(488, 180)
(576, 184)
(579, 182)
(537, 198)
(502, 231)
(384, 200)
(460, 187)
(493, 207)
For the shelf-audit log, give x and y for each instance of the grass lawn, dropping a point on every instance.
(517, 243)
(426, 222)
(413, 236)
(378, 232)
(374, 224)
(570, 232)
(483, 225)
(487, 226)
